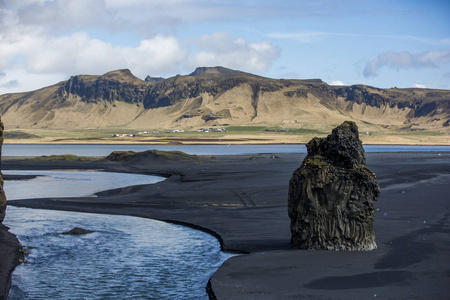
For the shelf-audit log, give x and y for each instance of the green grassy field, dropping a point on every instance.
(238, 134)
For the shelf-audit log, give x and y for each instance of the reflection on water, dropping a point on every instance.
(125, 258)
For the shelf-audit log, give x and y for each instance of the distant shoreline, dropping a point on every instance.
(9, 142)
(261, 138)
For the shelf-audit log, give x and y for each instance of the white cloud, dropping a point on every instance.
(419, 85)
(27, 50)
(78, 53)
(52, 37)
(222, 49)
(20, 80)
(59, 15)
(337, 82)
(406, 60)
(27, 43)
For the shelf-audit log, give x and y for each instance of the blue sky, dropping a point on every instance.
(402, 43)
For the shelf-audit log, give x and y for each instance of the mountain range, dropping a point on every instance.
(217, 96)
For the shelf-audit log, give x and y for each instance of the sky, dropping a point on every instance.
(381, 43)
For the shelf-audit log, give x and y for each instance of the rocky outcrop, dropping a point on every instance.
(149, 156)
(2, 192)
(332, 195)
(78, 230)
(118, 85)
(10, 247)
(154, 79)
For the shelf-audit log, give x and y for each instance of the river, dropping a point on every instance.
(125, 258)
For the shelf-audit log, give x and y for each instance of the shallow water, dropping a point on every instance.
(66, 183)
(125, 258)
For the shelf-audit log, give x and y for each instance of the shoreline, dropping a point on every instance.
(208, 142)
(243, 201)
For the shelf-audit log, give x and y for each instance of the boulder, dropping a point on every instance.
(331, 201)
(78, 230)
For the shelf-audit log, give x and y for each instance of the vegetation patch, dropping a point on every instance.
(246, 128)
(19, 135)
(306, 131)
(120, 155)
(317, 161)
(173, 155)
(421, 132)
(150, 155)
(64, 157)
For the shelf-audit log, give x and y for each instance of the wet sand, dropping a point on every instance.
(242, 200)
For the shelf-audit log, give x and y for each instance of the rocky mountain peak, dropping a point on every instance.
(120, 75)
(213, 71)
(154, 79)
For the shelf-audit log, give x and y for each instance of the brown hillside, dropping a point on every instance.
(218, 96)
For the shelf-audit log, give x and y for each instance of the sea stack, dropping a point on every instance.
(331, 201)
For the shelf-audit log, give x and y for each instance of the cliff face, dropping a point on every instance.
(2, 192)
(113, 86)
(9, 245)
(216, 96)
(332, 195)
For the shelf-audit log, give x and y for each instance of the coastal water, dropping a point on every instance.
(125, 258)
(103, 150)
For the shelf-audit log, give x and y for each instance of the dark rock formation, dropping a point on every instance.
(78, 230)
(332, 195)
(118, 85)
(2, 192)
(149, 156)
(201, 71)
(154, 79)
(10, 246)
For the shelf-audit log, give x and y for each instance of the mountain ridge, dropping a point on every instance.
(217, 96)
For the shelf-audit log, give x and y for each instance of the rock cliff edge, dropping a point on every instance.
(9, 245)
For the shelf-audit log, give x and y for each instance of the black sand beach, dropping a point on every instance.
(243, 201)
